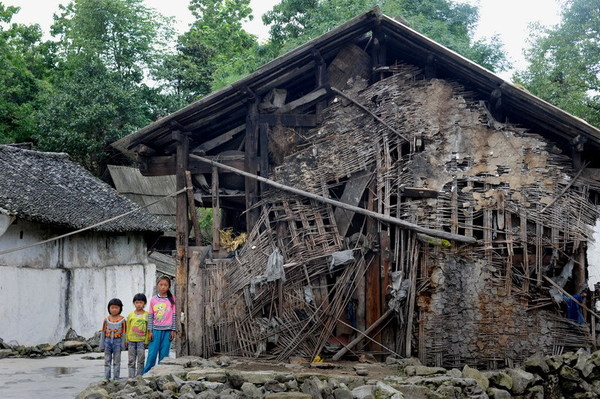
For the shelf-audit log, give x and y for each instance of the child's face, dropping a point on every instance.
(162, 287)
(139, 305)
(114, 309)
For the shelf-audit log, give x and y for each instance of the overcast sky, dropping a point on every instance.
(508, 18)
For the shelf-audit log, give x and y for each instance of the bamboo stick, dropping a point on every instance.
(355, 341)
(383, 218)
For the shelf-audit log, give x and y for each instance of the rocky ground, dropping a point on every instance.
(571, 375)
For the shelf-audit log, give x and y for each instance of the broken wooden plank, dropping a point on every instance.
(383, 218)
(219, 140)
(353, 191)
(193, 212)
(308, 99)
(418, 192)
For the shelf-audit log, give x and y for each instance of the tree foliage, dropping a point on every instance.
(564, 61)
(293, 22)
(22, 68)
(106, 52)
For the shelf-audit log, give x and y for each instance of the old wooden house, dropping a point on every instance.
(53, 280)
(390, 189)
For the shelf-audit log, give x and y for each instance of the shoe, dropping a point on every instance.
(105, 381)
(116, 380)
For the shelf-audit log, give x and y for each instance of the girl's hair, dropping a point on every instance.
(140, 297)
(169, 295)
(115, 301)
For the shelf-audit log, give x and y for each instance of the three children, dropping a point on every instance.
(156, 327)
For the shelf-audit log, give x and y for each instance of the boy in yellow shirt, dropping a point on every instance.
(137, 335)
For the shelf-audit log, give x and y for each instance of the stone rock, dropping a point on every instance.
(170, 386)
(536, 364)
(288, 395)
(187, 388)
(215, 386)
(423, 370)
(495, 393)
(456, 373)
(584, 363)
(482, 380)
(93, 392)
(391, 360)
(569, 373)
(235, 379)
(72, 346)
(362, 372)
(311, 387)
(499, 379)
(364, 392)
(207, 395)
(258, 377)
(251, 391)
(227, 396)
(187, 395)
(554, 362)
(284, 377)
(5, 353)
(413, 391)
(165, 369)
(386, 391)
(292, 385)
(301, 377)
(322, 365)
(341, 393)
(72, 335)
(411, 361)
(449, 392)
(274, 386)
(535, 392)
(521, 380)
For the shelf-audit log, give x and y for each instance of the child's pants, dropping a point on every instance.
(136, 358)
(159, 346)
(112, 357)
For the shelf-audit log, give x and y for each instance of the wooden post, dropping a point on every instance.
(193, 211)
(263, 153)
(181, 271)
(250, 160)
(321, 80)
(196, 317)
(216, 214)
(373, 281)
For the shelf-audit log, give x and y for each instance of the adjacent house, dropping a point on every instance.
(390, 188)
(49, 285)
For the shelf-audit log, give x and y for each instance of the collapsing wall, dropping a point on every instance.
(485, 304)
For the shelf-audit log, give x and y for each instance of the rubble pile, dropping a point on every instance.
(71, 344)
(572, 375)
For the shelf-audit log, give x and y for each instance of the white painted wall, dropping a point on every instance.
(593, 257)
(46, 290)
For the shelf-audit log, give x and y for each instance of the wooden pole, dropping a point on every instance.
(193, 210)
(181, 260)
(378, 216)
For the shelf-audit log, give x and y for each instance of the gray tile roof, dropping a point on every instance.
(50, 188)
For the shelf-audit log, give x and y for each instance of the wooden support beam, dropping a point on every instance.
(166, 165)
(219, 140)
(181, 260)
(373, 275)
(306, 100)
(263, 152)
(197, 328)
(383, 218)
(216, 207)
(251, 163)
(193, 212)
(321, 79)
(418, 192)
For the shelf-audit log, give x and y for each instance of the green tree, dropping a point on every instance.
(293, 22)
(107, 52)
(564, 61)
(216, 50)
(22, 69)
